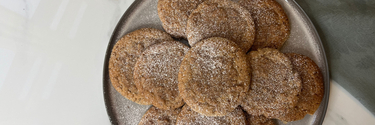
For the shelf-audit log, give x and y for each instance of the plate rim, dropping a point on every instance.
(134, 5)
(107, 99)
(320, 44)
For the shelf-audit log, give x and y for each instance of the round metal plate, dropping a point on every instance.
(143, 14)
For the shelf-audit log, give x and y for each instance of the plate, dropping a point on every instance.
(143, 14)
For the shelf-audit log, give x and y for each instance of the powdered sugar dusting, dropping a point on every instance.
(258, 120)
(190, 117)
(156, 73)
(126, 111)
(303, 41)
(312, 88)
(123, 58)
(174, 15)
(271, 23)
(221, 18)
(155, 116)
(274, 84)
(214, 77)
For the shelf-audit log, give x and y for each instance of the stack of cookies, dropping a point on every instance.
(232, 71)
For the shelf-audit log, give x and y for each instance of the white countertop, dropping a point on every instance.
(51, 64)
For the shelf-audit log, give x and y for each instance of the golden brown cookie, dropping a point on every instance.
(274, 84)
(312, 82)
(190, 117)
(123, 57)
(312, 88)
(271, 23)
(258, 120)
(293, 114)
(174, 15)
(221, 18)
(156, 73)
(213, 77)
(155, 116)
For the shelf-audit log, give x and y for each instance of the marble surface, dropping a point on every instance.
(51, 62)
(346, 28)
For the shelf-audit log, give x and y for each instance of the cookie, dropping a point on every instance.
(213, 77)
(271, 23)
(312, 82)
(174, 15)
(155, 116)
(123, 58)
(274, 84)
(156, 73)
(221, 18)
(258, 120)
(292, 114)
(312, 88)
(190, 117)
